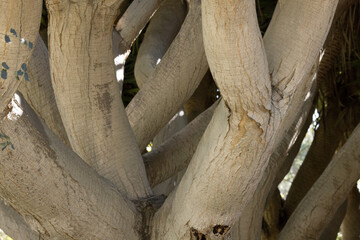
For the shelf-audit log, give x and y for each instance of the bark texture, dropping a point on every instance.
(175, 154)
(315, 211)
(19, 28)
(173, 82)
(59, 195)
(134, 20)
(14, 225)
(162, 29)
(87, 94)
(39, 93)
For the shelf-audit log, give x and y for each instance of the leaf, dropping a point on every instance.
(7, 39)
(19, 73)
(13, 32)
(12, 146)
(5, 65)
(3, 148)
(26, 77)
(24, 67)
(31, 45)
(3, 74)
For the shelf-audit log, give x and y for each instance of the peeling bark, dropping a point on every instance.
(292, 47)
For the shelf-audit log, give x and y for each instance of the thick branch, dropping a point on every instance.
(251, 219)
(173, 81)
(81, 60)
(327, 194)
(175, 154)
(57, 192)
(163, 27)
(326, 141)
(39, 93)
(14, 225)
(292, 47)
(134, 20)
(19, 28)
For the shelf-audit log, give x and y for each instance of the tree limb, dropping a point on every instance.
(134, 20)
(175, 154)
(18, 32)
(39, 93)
(327, 194)
(173, 81)
(292, 47)
(14, 225)
(162, 29)
(81, 60)
(57, 192)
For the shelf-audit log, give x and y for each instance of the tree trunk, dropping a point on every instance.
(87, 94)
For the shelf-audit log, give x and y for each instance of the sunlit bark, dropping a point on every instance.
(19, 28)
(83, 76)
(59, 195)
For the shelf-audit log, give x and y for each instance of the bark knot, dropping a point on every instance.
(147, 208)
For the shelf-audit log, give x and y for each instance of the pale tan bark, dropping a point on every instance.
(14, 225)
(249, 225)
(39, 93)
(175, 154)
(350, 226)
(292, 47)
(238, 125)
(59, 195)
(20, 22)
(134, 20)
(86, 91)
(162, 30)
(315, 211)
(173, 82)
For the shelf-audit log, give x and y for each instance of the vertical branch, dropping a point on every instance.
(316, 209)
(81, 60)
(172, 83)
(39, 93)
